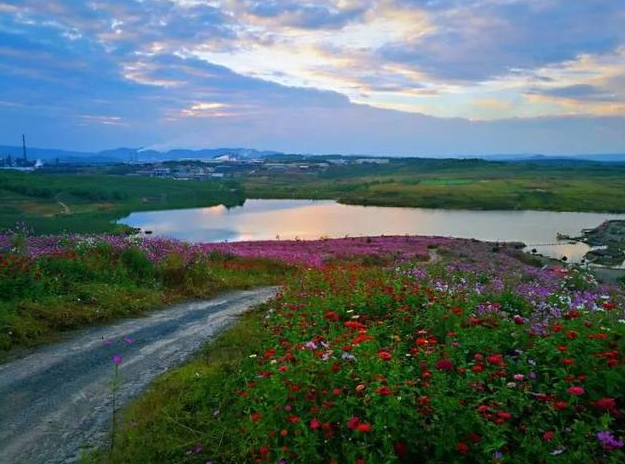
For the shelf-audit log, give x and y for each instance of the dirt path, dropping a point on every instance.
(66, 209)
(57, 400)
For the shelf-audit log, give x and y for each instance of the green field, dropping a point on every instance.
(52, 203)
(94, 198)
(457, 184)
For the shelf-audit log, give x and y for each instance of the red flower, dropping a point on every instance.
(605, 403)
(355, 325)
(364, 427)
(504, 415)
(293, 419)
(384, 391)
(462, 448)
(496, 359)
(255, 416)
(353, 423)
(385, 355)
(560, 405)
(575, 391)
(315, 424)
(548, 435)
(445, 365)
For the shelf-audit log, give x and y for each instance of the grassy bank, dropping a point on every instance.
(49, 285)
(91, 202)
(480, 358)
(456, 184)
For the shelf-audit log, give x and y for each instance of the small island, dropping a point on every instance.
(609, 242)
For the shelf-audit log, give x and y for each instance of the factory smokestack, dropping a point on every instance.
(24, 147)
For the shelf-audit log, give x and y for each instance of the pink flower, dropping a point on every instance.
(576, 391)
(117, 360)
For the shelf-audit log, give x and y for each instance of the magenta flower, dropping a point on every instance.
(117, 360)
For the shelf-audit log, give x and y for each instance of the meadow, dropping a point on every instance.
(474, 355)
(50, 285)
(456, 184)
(91, 201)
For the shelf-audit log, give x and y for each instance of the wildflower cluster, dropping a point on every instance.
(482, 360)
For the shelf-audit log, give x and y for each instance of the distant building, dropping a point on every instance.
(372, 161)
(161, 172)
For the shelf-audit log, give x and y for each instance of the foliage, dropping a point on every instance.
(457, 184)
(49, 284)
(91, 202)
(477, 359)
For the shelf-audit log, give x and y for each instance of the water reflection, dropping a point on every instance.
(306, 219)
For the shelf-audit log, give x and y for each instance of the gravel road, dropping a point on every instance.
(56, 402)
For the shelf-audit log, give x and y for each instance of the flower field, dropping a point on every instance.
(478, 358)
(50, 284)
(315, 253)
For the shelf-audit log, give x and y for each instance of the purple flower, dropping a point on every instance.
(608, 440)
(129, 340)
(117, 360)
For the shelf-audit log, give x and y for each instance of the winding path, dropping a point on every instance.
(57, 401)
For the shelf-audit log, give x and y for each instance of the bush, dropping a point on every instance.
(136, 263)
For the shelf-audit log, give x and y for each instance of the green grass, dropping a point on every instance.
(458, 184)
(191, 405)
(204, 410)
(99, 287)
(95, 200)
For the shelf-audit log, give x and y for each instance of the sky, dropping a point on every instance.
(380, 77)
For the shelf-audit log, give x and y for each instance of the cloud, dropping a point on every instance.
(584, 92)
(357, 75)
(306, 15)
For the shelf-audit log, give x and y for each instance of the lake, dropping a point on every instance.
(308, 219)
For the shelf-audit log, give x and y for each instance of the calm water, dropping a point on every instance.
(306, 219)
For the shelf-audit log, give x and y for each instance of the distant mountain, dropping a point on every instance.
(207, 153)
(124, 154)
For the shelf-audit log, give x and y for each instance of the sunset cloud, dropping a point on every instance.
(160, 65)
